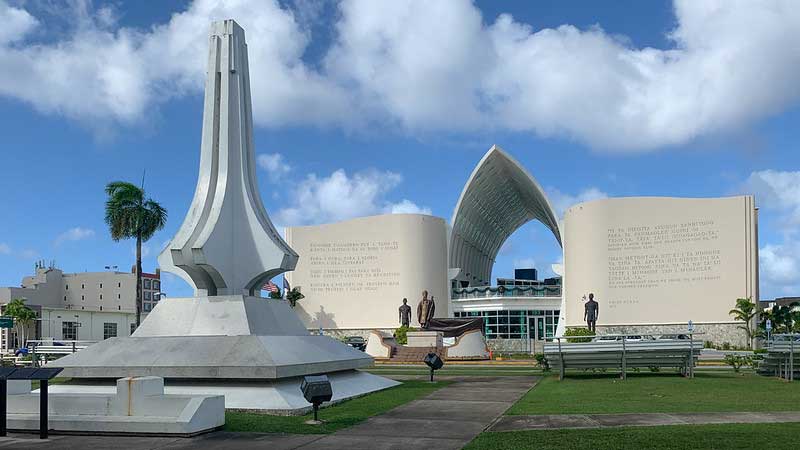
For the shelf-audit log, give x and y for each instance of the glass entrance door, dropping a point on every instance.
(537, 336)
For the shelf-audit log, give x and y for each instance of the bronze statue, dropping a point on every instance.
(591, 311)
(405, 313)
(425, 310)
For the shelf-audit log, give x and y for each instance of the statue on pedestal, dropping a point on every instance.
(591, 310)
(425, 310)
(405, 314)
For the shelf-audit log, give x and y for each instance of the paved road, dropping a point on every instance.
(554, 421)
(446, 419)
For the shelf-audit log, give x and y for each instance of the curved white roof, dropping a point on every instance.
(499, 197)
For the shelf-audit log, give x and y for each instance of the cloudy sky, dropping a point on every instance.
(366, 107)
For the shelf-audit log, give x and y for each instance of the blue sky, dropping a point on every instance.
(366, 107)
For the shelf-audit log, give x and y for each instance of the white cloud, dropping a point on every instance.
(16, 23)
(777, 190)
(74, 234)
(275, 165)
(406, 206)
(562, 201)
(4, 249)
(429, 66)
(339, 197)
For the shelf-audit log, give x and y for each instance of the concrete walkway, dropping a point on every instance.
(446, 419)
(556, 421)
(449, 418)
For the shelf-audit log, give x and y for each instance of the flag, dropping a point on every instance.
(270, 287)
(286, 286)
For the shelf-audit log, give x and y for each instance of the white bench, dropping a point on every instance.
(623, 354)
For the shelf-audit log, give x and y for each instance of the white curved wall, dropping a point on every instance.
(356, 273)
(658, 260)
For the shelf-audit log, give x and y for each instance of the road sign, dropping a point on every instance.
(691, 326)
(769, 325)
(6, 322)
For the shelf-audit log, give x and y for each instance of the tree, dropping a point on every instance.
(23, 316)
(130, 215)
(745, 311)
(276, 294)
(293, 296)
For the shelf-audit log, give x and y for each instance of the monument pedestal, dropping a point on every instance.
(425, 339)
(251, 349)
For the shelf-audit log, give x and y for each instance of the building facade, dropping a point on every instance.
(87, 306)
(654, 264)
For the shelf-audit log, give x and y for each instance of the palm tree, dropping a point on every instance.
(23, 317)
(745, 311)
(129, 215)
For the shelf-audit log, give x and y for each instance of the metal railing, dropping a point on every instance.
(782, 349)
(623, 351)
(47, 347)
(505, 291)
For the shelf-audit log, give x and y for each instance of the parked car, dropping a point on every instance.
(356, 342)
(673, 337)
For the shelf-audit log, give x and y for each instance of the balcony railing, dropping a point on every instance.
(506, 291)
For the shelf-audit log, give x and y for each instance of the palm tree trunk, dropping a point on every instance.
(138, 279)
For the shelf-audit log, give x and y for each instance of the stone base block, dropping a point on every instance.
(425, 339)
(281, 397)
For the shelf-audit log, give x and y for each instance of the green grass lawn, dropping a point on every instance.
(342, 415)
(726, 436)
(707, 392)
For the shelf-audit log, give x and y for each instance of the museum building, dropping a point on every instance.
(653, 263)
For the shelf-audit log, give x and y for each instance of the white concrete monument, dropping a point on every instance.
(225, 338)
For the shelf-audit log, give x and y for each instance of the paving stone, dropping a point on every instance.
(621, 420)
(348, 442)
(380, 426)
(495, 394)
(511, 423)
(450, 409)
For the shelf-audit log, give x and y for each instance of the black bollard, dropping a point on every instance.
(43, 409)
(3, 406)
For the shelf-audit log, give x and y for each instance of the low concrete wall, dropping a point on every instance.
(718, 333)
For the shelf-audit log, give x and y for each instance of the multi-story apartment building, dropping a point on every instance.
(88, 306)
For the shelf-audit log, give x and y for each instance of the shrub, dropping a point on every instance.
(541, 360)
(708, 344)
(579, 332)
(401, 334)
(737, 361)
(726, 346)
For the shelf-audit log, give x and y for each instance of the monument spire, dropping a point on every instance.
(227, 243)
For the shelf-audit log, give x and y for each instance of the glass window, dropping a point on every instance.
(69, 331)
(109, 330)
(119, 284)
(147, 283)
(147, 307)
(101, 285)
(147, 295)
(156, 284)
(83, 298)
